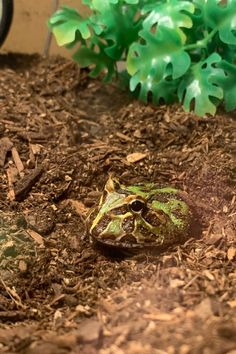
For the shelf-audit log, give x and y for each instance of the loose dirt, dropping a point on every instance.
(60, 136)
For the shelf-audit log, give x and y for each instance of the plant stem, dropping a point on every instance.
(55, 4)
(202, 43)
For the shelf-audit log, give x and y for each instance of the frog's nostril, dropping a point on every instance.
(137, 205)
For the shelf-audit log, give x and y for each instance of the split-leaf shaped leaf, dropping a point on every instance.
(115, 22)
(126, 1)
(97, 59)
(227, 80)
(220, 15)
(66, 23)
(199, 86)
(162, 91)
(172, 14)
(160, 57)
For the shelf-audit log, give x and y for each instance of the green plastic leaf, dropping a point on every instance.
(116, 24)
(134, 2)
(198, 29)
(220, 15)
(172, 14)
(126, 1)
(160, 57)
(227, 80)
(65, 24)
(226, 51)
(199, 86)
(97, 59)
(164, 90)
(88, 3)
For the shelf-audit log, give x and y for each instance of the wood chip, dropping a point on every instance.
(214, 239)
(12, 174)
(176, 283)
(5, 146)
(225, 209)
(89, 331)
(123, 137)
(204, 309)
(22, 266)
(231, 253)
(208, 274)
(35, 236)
(137, 134)
(12, 316)
(27, 182)
(35, 148)
(18, 162)
(232, 304)
(136, 156)
(159, 316)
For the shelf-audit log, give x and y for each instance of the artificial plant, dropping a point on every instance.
(174, 50)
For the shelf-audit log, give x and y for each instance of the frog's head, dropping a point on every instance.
(140, 215)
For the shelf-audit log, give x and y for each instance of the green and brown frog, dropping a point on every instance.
(141, 216)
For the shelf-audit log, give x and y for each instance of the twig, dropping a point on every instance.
(13, 295)
(191, 282)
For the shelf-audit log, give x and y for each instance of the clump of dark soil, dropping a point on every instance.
(60, 136)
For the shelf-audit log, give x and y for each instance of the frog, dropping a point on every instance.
(141, 216)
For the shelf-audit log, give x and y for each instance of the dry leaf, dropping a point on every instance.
(135, 157)
(79, 207)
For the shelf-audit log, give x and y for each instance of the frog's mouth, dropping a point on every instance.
(127, 230)
(128, 247)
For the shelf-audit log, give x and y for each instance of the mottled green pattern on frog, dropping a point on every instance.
(140, 216)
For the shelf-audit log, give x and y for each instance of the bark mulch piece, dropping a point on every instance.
(60, 136)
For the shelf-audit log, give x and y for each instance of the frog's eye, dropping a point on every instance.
(137, 205)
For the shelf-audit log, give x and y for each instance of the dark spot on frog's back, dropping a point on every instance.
(184, 196)
(155, 218)
(149, 236)
(178, 214)
(162, 197)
